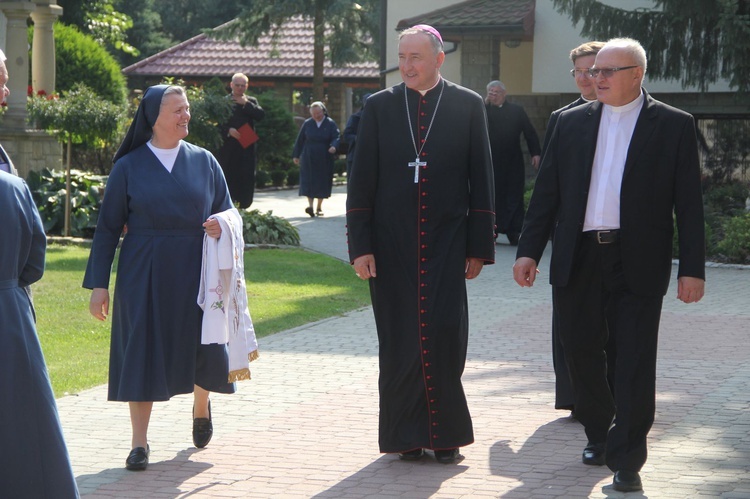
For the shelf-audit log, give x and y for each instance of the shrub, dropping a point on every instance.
(266, 228)
(528, 191)
(48, 189)
(292, 176)
(80, 59)
(276, 130)
(339, 166)
(278, 177)
(736, 242)
(262, 178)
(208, 107)
(727, 199)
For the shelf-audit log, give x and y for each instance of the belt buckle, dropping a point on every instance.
(599, 236)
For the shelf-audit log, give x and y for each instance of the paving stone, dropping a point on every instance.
(306, 424)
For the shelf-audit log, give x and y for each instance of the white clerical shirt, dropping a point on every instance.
(615, 132)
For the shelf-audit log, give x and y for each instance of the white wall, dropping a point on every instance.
(403, 9)
(555, 36)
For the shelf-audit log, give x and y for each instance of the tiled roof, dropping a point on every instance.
(290, 57)
(475, 16)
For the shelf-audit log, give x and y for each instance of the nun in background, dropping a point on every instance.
(164, 190)
(35, 462)
(314, 151)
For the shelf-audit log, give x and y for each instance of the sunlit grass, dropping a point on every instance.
(286, 289)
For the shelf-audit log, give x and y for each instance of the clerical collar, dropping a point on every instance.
(424, 92)
(627, 107)
(587, 100)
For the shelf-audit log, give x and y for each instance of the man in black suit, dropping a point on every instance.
(615, 176)
(583, 57)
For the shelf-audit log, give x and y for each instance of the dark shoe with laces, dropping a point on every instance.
(627, 481)
(447, 456)
(594, 454)
(203, 429)
(412, 455)
(138, 459)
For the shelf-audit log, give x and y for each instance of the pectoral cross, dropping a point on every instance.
(416, 164)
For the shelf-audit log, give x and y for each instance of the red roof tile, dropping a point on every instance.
(290, 57)
(474, 16)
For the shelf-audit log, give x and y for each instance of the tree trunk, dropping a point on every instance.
(318, 89)
(66, 229)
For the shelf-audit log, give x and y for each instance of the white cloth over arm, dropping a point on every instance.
(223, 295)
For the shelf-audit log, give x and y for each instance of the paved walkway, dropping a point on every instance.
(306, 425)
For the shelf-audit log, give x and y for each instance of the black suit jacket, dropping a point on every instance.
(553, 120)
(661, 177)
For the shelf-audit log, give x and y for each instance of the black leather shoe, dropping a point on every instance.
(310, 212)
(627, 481)
(593, 454)
(412, 455)
(203, 429)
(138, 459)
(448, 456)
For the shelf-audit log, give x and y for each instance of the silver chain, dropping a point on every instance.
(408, 116)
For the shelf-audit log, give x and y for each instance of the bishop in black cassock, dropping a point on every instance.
(420, 221)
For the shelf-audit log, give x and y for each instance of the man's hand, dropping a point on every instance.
(99, 303)
(690, 289)
(473, 267)
(364, 266)
(234, 133)
(535, 160)
(525, 271)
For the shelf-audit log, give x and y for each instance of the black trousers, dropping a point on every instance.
(564, 396)
(595, 303)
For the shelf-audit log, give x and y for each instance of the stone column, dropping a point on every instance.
(17, 52)
(43, 49)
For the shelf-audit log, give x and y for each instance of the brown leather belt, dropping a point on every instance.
(603, 236)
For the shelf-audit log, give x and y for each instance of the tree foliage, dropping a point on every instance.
(184, 19)
(80, 59)
(208, 108)
(349, 30)
(147, 33)
(79, 115)
(277, 132)
(694, 41)
(102, 20)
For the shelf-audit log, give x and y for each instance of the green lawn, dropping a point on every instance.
(286, 288)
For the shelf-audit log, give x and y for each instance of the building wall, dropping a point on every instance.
(32, 150)
(400, 9)
(515, 67)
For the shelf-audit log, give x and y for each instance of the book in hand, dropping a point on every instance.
(248, 136)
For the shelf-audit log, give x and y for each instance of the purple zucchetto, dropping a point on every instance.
(429, 29)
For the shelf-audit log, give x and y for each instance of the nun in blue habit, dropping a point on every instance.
(160, 193)
(34, 463)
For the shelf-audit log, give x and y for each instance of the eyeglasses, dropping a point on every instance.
(607, 72)
(583, 73)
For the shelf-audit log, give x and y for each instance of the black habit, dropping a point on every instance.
(420, 234)
(239, 163)
(506, 123)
